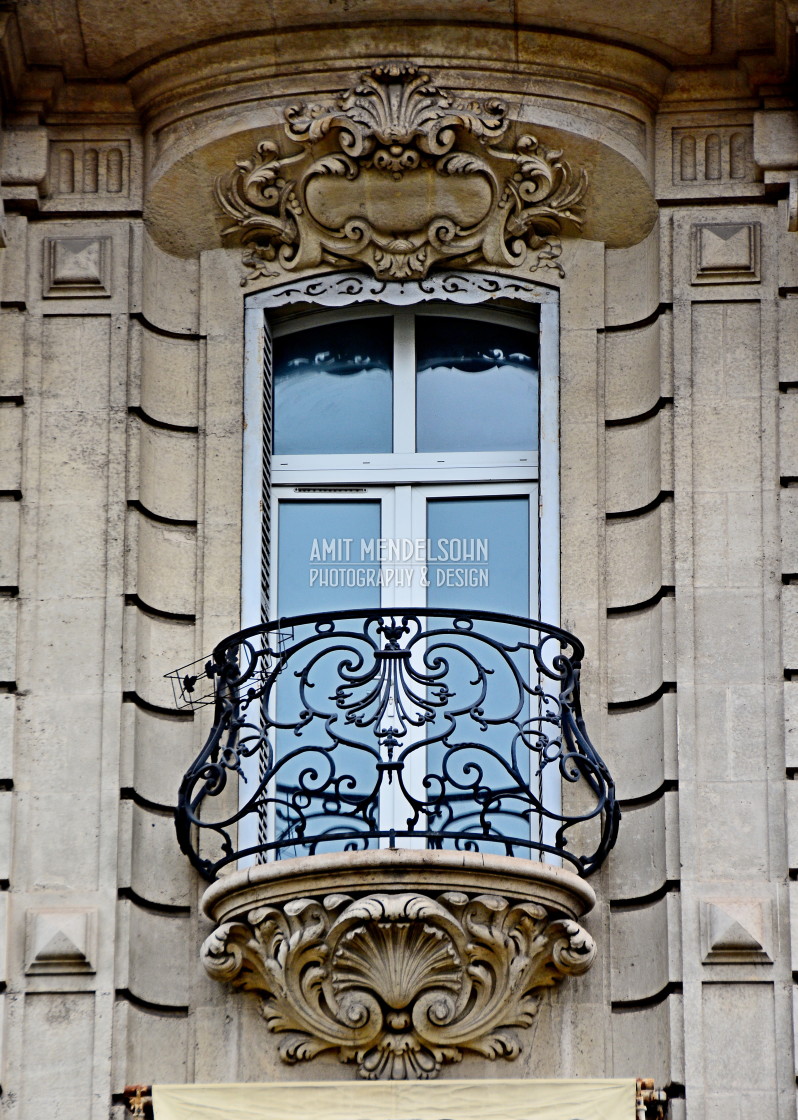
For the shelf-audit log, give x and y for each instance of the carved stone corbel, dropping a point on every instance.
(397, 175)
(399, 982)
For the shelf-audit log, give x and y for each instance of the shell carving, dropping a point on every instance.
(398, 959)
(399, 984)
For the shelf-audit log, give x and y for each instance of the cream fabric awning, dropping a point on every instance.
(488, 1099)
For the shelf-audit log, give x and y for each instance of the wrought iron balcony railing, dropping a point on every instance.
(384, 728)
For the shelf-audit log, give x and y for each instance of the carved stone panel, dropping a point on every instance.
(77, 267)
(60, 941)
(398, 175)
(398, 982)
(735, 931)
(726, 253)
(90, 167)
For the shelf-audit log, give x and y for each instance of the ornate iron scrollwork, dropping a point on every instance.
(470, 721)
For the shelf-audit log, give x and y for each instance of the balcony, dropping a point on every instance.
(400, 809)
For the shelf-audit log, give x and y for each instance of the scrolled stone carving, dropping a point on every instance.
(399, 176)
(398, 983)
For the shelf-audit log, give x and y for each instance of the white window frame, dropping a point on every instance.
(347, 293)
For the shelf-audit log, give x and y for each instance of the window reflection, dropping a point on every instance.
(476, 386)
(333, 389)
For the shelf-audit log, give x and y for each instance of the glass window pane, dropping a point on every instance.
(333, 389)
(319, 566)
(483, 757)
(320, 569)
(481, 551)
(476, 386)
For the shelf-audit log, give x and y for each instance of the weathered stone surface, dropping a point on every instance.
(404, 981)
(111, 114)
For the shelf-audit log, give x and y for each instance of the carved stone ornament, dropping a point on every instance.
(399, 176)
(399, 983)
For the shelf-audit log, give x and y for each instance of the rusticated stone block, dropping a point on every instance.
(641, 444)
(645, 950)
(161, 978)
(150, 1047)
(168, 472)
(634, 558)
(649, 1038)
(169, 378)
(632, 360)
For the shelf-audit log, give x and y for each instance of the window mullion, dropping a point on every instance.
(404, 381)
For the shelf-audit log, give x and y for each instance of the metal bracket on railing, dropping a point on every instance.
(650, 1103)
(139, 1101)
(192, 685)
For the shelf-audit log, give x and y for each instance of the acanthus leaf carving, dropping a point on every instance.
(399, 176)
(399, 983)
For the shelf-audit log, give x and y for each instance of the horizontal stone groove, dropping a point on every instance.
(647, 508)
(10, 495)
(789, 577)
(82, 215)
(788, 386)
(674, 1091)
(791, 674)
(129, 895)
(187, 523)
(139, 317)
(622, 421)
(5, 885)
(670, 886)
(156, 709)
(9, 591)
(164, 425)
(8, 686)
(665, 592)
(787, 480)
(649, 319)
(716, 200)
(13, 304)
(672, 988)
(177, 1009)
(3, 986)
(128, 793)
(133, 600)
(644, 701)
(12, 398)
(792, 773)
(6, 784)
(670, 785)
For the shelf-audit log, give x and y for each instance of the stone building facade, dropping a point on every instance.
(669, 247)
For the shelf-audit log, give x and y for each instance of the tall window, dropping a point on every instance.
(410, 462)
